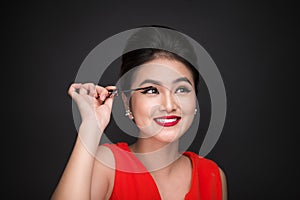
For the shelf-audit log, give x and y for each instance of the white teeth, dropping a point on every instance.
(166, 120)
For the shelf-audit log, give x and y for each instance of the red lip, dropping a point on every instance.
(167, 121)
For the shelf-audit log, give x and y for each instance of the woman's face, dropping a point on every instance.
(166, 111)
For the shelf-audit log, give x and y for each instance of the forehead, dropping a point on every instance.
(163, 70)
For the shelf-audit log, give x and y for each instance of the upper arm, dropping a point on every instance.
(103, 174)
(224, 184)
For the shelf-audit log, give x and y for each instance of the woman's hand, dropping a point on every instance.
(95, 106)
(93, 102)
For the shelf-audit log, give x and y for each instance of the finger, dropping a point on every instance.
(109, 102)
(83, 90)
(90, 88)
(106, 108)
(112, 91)
(74, 88)
(74, 92)
(102, 92)
(111, 87)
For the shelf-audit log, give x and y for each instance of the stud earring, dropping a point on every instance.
(195, 111)
(128, 113)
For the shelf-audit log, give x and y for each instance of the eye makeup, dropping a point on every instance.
(153, 90)
(116, 92)
(183, 89)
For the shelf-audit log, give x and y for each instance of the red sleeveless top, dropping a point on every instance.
(205, 183)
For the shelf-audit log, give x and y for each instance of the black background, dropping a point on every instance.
(252, 43)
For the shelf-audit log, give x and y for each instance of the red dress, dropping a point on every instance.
(205, 185)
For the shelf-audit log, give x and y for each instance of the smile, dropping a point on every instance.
(167, 121)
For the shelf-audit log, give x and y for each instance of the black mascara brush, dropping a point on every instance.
(116, 92)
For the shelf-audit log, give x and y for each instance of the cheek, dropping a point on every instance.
(142, 108)
(188, 105)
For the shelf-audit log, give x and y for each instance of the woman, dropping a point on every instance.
(161, 101)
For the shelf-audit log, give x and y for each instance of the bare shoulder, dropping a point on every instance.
(224, 184)
(103, 173)
(105, 156)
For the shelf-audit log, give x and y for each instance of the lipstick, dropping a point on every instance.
(167, 121)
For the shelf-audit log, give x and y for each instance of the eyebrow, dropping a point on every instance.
(159, 83)
(185, 79)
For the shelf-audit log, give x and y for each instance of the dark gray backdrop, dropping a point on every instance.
(252, 43)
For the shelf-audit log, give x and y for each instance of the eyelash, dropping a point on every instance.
(150, 89)
(155, 90)
(185, 90)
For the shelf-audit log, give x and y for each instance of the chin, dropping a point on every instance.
(163, 134)
(168, 136)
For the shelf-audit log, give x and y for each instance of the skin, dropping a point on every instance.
(173, 95)
(87, 178)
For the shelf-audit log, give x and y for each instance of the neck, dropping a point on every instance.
(155, 155)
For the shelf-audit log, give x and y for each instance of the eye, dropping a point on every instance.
(182, 90)
(151, 90)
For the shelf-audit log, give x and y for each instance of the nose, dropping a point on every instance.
(169, 102)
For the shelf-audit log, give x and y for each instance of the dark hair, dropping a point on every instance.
(161, 42)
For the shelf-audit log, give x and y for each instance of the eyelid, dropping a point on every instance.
(151, 88)
(184, 88)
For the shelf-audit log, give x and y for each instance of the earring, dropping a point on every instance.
(128, 113)
(195, 111)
